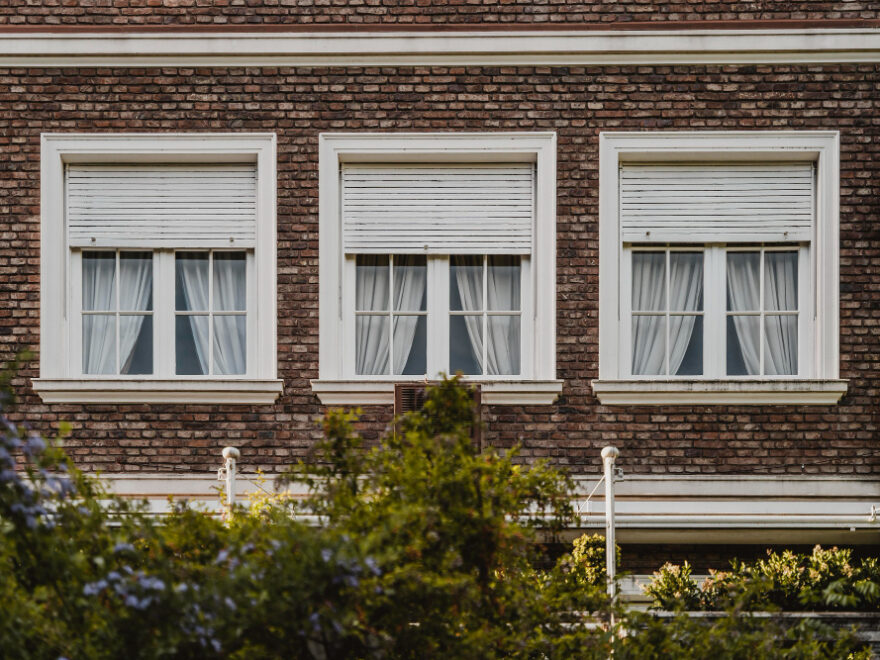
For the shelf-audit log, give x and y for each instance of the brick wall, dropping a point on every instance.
(157, 12)
(575, 102)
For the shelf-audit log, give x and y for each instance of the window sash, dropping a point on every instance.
(715, 312)
(438, 320)
(164, 315)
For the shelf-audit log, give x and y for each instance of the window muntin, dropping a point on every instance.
(117, 313)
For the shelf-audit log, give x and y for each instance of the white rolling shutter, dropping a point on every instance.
(438, 209)
(161, 205)
(705, 202)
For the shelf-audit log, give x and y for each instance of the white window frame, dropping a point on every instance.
(61, 379)
(336, 384)
(819, 382)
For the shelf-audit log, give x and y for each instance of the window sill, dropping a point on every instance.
(228, 391)
(375, 392)
(719, 392)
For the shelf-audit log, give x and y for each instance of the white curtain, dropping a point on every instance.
(780, 286)
(230, 341)
(193, 277)
(470, 291)
(136, 285)
(372, 331)
(409, 290)
(99, 330)
(743, 290)
(648, 294)
(503, 349)
(685, 289)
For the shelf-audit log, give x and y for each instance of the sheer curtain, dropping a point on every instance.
(503, 349)
(648, 294)
(744, 293)
(99, 330)
(135, 288)
(409, 288)
(230, 341)
(193, 277)
(372, 330)
(685, 290)
(470, 291)
(780, 293)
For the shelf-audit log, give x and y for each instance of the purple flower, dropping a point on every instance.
(123, 547)
(326, 554)
(34, 445)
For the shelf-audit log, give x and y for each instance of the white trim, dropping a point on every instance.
(337, 148)
(59, 370)
(526, 48)
(821, 147)
(705, 392)
(363, 392)
(142, 390)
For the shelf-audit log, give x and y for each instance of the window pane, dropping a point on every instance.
(649, 281)
(410, 275)
(466, 344)
(685, 281)
(686, 345)
(372, 351)
(743, 282)
(230, 292)
(136, 281)
(191, 291)
(230, 345)
(781, 345)
(743, 345)
(465, 283)
(410, 345)
(780, 280)
(649, 346)
(503, 286)
(191, 334)
(99, 344)
(371, 290)
(99, 281)
(503, 349)
(136, 344)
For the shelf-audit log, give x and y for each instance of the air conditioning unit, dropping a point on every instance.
(410, 397)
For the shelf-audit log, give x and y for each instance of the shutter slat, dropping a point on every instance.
(438, 209)
(161, 205)
(723, 202)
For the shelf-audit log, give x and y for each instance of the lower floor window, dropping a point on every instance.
(164, 313)
(419, 315)
(716, 310)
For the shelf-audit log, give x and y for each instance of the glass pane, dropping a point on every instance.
(191, 291)
(410, 345)
(465, 283)
(191, 334)
(230, 291)
(371, 348)
(686, 345)
(781, 345)
(136, 281)
(685, 281)
(136, 344)
(649, 281)
(410, 275)
(649, 346)
(465, 344)
(503, 349)
(503, 286)
(371, 290)
(230, 345)
(743, 282)
(743, 345)
(99, 281)
(780, 280)
(99, 344)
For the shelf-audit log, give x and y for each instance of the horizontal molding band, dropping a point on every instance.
(478, 46)
(719, 392)
(227, 391)
(379, 392)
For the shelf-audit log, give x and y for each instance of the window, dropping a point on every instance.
(718, 268)
(154, 251)
(437, 256)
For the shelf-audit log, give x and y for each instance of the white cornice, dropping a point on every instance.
(544, 47)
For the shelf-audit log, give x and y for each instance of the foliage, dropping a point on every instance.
(425, 547)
